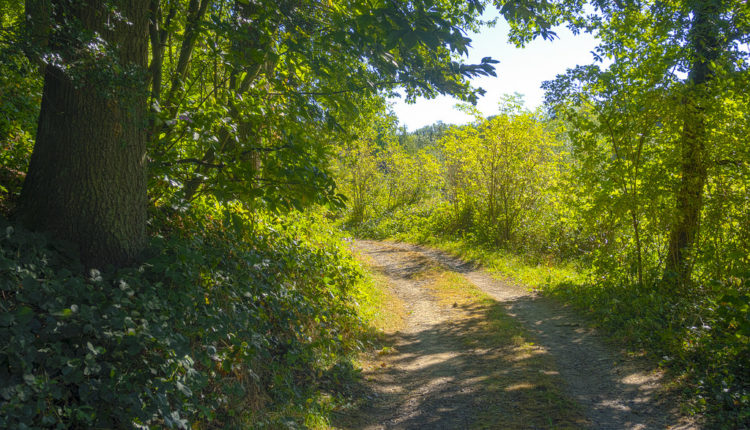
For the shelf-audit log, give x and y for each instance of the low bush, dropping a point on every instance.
(228, 322)
(400, 222)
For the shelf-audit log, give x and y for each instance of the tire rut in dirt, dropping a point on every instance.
(426, 382)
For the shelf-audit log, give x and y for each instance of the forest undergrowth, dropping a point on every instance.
(232, 320)
(189, 159)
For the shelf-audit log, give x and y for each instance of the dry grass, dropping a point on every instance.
(383, 309)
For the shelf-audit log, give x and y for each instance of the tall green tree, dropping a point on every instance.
(710, 37)
(246, 99)
(501, 167)
(269, 91)
(616, 170)
(87, 179)
(695, 49)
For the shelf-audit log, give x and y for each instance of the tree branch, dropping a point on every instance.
(331, 93)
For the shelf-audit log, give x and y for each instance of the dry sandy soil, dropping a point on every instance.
(431, 378)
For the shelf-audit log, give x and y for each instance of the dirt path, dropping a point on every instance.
(433, 380)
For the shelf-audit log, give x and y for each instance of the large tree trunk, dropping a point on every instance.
(705, 46)
(87, 178)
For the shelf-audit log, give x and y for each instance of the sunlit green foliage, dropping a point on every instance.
(593, 192)
(262, 91)
(619, 168)
(239, 316)
(236, 315)
(20, 95)
(498, 174)
(379, 175)
(625, 125)
(492, 180)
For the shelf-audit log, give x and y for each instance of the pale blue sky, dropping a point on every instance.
(520, 70)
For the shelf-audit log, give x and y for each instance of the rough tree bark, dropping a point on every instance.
(87, 178)
(704, 41)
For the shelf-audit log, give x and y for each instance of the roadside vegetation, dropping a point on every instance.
(541, 201)
(166, 256)
(170, 172)
(231, 322)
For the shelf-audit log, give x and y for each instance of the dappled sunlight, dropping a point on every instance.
(638, 378)
(435, 382)
(458, 369)
(527, 353)
(518, 358)
(519, 386)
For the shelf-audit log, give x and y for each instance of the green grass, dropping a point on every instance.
(535, 273)
(378, 305)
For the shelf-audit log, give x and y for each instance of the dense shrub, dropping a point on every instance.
(20, 96)
(229, 323)
(406, 220)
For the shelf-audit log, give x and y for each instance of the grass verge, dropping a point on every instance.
(384, 313)
(508, 266)
(378, 303)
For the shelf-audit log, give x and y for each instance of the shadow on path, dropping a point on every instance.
(436, 379)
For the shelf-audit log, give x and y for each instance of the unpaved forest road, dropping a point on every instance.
(431, 380)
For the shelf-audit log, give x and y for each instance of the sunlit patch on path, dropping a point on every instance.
(476, 352)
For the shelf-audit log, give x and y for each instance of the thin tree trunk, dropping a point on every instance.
(87, 178)
(639, 258)
(196, 11)
(689, 197)
(634, 212)
(158, 31)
